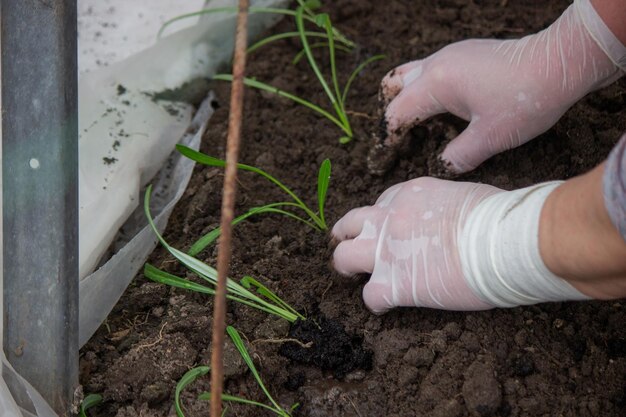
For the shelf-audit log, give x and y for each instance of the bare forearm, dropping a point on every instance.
(613, 13)
(578, 241)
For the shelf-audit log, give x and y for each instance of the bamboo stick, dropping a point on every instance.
(228, 208)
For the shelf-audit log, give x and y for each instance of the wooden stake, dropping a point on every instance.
(228, 208)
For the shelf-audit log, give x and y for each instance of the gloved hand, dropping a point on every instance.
(449, 245)
(510, 91)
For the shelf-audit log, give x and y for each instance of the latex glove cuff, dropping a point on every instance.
(499, 251)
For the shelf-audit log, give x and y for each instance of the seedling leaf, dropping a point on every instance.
(209, 274)
(356, 72)
(187, 379)
(206, 396)
(284, 35)
(322, 20)
(249, 282)
(212, 236)
(89, 401)
(210, 161)
(250, 82)
(251, 10)
(313, 4)
(234, 335)
(323, 179)
(298, 57)
(157, 275)
(309, 54)
(333, 68)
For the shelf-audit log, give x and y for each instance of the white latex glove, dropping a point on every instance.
(509, 90)
(449, 245)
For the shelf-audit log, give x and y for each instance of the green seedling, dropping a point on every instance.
(189, 377)
(199, 371)
(333, 40)
(336, 95)
(274, 407)
(89, 401)
(315, 220)
(309, 15)
(244, 292)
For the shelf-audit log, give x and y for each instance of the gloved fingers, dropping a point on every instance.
(397, 79)
(386, 198)
(352, 224)
(477, 143)
(411, 106)
(355, 256)
(378, 297)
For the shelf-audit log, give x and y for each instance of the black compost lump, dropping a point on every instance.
(332, 347)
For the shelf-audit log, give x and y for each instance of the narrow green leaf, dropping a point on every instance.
(211, 161)
(200, 157)
(309, 54)
(157, 275)
(89, 401)
(344, 139)
(234, 335)
(339, 106)
(252, 10)
(271, 89)
(212, 236)
(313, 4)
(322, 19)
(208, 273)
(239, 344)
(298, 57)
(208, 160)
(206, 396)
(356, 72)
(187, 379)
(207, 240)
(233, 10)
(284, 35)
(249, 282)
(323, 180)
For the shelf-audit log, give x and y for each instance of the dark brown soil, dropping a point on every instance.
(562, 359)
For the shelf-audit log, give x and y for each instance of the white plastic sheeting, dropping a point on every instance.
(126, 137)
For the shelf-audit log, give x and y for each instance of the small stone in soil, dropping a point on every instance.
(155, 393)
(332, 349)
(419, 357)
(481, 390)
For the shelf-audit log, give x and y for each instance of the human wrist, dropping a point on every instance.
(499, 251)
(604, 21)
(613, 14)
(578, 241)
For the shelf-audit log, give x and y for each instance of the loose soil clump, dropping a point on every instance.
(547, 360)
(325, 344)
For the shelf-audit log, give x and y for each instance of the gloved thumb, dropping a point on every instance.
(377, 296)
(477, 143)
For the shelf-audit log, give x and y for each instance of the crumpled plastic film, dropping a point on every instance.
(100, 290)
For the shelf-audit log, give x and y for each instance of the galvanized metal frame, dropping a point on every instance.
(40, 194)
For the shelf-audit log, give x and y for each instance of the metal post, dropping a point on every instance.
(40, 194)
